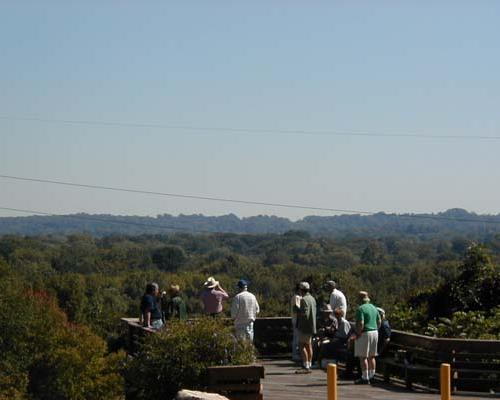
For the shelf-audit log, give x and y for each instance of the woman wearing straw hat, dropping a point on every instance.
(213, 296)
(176, 307)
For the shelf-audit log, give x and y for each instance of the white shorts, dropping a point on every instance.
(366, 345)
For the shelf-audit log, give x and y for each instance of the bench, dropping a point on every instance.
(273, 336)
(237, 382)
(413, 365)
(475, 371)
(475, 364)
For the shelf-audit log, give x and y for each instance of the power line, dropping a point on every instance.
(248, 202)
(239, 130)
(183, 196)
(97, 219)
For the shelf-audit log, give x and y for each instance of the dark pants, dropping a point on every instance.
(335, 349)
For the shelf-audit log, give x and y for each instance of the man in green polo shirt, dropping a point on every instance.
(365, 347)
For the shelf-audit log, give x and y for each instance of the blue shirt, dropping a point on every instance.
(149, 304)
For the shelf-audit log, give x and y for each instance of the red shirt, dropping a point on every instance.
(212, 300)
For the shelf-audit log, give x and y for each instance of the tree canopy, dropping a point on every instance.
(62, 297)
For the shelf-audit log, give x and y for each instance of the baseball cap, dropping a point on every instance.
(242, 283)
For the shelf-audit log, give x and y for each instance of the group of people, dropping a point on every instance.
(157, 309)
(244, 305)
(335, 337)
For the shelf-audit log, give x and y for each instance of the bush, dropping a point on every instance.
(178, 357)
(470, 325)
(406, 318)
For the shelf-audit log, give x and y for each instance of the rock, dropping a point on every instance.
(194, 395)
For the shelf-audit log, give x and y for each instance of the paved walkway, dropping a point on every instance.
(281, 383)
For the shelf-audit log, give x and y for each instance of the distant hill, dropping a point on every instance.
(451, 222)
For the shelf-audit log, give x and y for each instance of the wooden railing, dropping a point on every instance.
(133, 332)
(475, 364)
(272, 335)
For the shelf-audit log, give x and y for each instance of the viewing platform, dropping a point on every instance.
(410, 370)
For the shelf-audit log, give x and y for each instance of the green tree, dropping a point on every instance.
(46, 357)
(169, 258)
(478, 285)
(79, 254)
(373, 254)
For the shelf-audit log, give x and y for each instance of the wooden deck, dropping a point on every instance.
(281, 383)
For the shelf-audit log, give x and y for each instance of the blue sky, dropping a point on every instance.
(383, 67)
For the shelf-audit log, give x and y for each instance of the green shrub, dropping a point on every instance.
(470, 325)
(406, 318)
(178, 357)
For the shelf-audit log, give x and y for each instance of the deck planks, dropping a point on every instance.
(281, 383)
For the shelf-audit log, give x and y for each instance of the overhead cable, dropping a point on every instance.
(242, 130)
(247, 202)
(185, 196)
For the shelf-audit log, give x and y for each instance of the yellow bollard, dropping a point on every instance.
(332, 381)
(445, 382)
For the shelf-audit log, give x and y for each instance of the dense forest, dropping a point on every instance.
(62, 296)
(451, 222)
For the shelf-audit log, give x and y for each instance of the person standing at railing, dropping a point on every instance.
(213, 296)
(150, 311)
(294, 306)
(365, 346)
(306, 324)
(176, 306)
(244, 310)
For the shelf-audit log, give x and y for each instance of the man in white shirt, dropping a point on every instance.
(244, 310)
(337, 298)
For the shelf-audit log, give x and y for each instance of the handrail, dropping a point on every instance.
(447, 344)
(411, 339)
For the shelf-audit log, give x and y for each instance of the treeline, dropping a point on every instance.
(453, 222)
